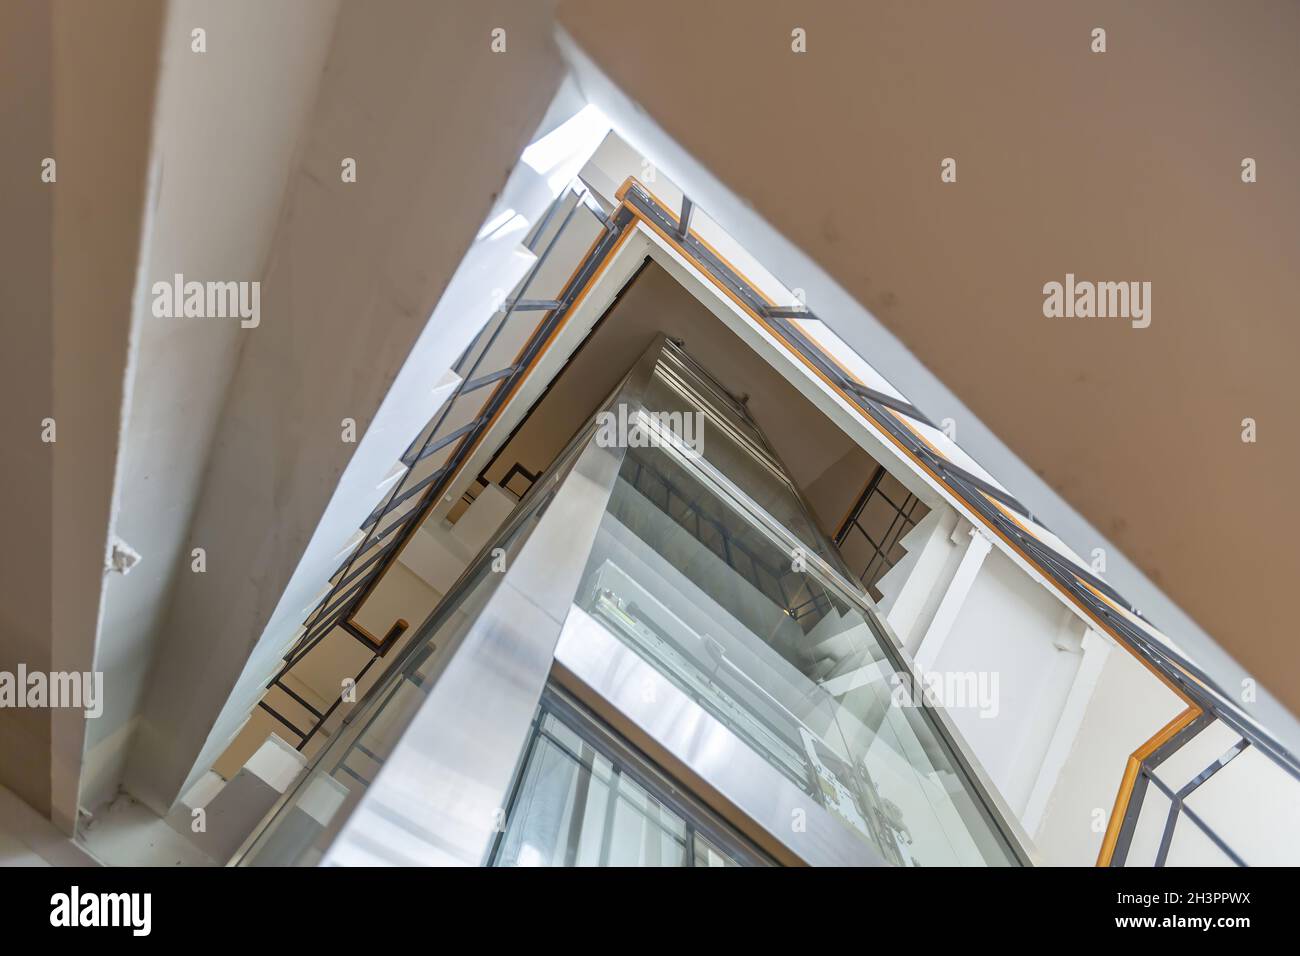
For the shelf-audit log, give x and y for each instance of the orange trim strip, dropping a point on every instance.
(1129, 779)
(1190, 676)
(551, 338)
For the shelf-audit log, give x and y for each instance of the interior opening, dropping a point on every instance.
(857, 505)
(865, 521)
(706, 565)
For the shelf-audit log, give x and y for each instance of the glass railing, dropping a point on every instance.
(1200, 801)
(301, 829)
(741, 617)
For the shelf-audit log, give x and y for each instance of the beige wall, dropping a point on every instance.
(1122, 166)
(79, 88)
(217, 209)
(26, 370)
(106, 62)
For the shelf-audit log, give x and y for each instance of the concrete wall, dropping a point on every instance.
(29, 839)
(1007, 627)
(354, 273)
(105, 73)
(217, 211)
(26, 371)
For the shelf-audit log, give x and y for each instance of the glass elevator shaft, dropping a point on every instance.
(664, 584)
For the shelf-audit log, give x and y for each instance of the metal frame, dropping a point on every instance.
(903, 521)
(643, 705)
(731, 548)
(1177, 805)
(1177, 799)
(627, 760)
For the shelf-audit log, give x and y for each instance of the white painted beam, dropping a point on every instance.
(937, 633)
(106, 73)
(929, 540)
(1095, 648)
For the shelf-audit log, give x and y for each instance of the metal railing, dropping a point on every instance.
(433, 460)
(1106, 606)
(902, 516)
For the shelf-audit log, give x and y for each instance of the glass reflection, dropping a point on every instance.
(737, 615)
(572, 806)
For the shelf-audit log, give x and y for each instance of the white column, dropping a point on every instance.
(953, 599)
(1095, 648)
(929, 540)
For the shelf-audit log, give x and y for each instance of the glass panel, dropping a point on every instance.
(733, 609)
(572, 806)
(300, 831)
(719, 428)
(778, 656)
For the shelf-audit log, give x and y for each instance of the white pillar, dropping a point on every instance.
(930, 541)
(953, 599)
(1095, 648)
